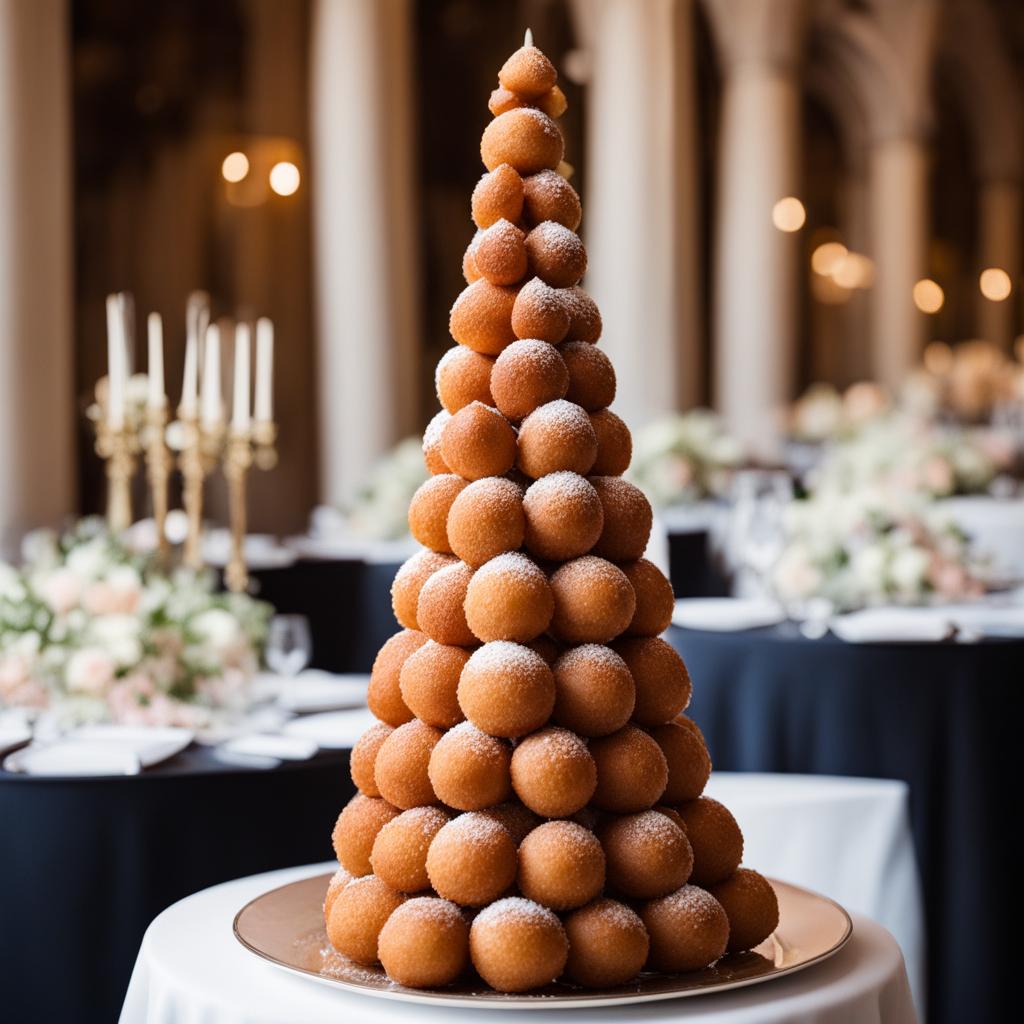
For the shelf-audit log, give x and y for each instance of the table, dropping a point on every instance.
(86, 864)
(191, 968)
(940, 717)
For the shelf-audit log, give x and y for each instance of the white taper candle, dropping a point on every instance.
(116, 368)
(264, 370)
(211, 397)
(155, 369)
(240, 405)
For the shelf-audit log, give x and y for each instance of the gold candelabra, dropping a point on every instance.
(200, 450)
(117, 447)
(158, 471)
(238, 458)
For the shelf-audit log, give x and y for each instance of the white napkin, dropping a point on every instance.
(74, 757)
(13, 734)
(336, 730)
(149, 744)
(726, 613)
(284, 748)
(893, 625)
(315, 690)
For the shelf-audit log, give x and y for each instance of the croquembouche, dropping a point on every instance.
(530, 801)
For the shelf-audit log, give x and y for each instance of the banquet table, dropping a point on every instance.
(942, 718)
(191, 968)
(87, 863)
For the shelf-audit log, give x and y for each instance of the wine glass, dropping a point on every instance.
(289, 646)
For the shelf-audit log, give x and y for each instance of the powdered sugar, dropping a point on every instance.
(516, 910)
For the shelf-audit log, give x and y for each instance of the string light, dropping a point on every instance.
(995, 284)
(788, 214)
(285, 178)
(827, 257)
(235, 167)
(928, 295)
(854, 270)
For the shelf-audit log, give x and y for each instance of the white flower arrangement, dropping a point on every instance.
(685, 458)
(381, 506)
(822, 413)
(95, 632)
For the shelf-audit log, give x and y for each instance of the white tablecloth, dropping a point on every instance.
(191, 970)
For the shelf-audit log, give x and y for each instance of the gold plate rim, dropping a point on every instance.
(660, 987)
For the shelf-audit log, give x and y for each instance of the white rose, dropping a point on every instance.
(61, 590)
(909, 568)
(88, 560)
(216, 628)
(795, 575)
(89, 670)
(868, 567)
(118, 635)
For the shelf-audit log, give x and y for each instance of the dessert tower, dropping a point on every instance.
(530, 800)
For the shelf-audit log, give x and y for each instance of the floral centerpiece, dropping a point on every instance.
(823, 413)
(94, 631)
(380, 508)
(685, 458)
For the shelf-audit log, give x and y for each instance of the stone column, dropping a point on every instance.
(999, 227)
(364, 222)
(36, 390)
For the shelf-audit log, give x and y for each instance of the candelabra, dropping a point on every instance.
(200, 449)
(158, 470)
(244, 449)
(117, 447)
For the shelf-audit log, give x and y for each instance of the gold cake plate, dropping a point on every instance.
(285, 927)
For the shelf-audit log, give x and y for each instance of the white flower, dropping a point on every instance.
(118, 635)
(795, 575)
(39, 547)
(90, 670)
(61, 590)
(88, 560)
(216, 628)
(11, 587)
(909, 569)
(868, 567)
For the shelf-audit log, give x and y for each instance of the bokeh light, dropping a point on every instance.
(827, 257)
(788, 214)
(928, 295)
(285, 178)
(235, 167)
(995, 284)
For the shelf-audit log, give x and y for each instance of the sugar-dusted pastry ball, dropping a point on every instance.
(608, 944)
(548, 196)
(516, 945)
(540, 312)
(647, 853)
(364, 756)
(584, 316)
(478, 441)
(527, 374)
(401, 766)
(688, 930)
(507, 690)
(384, 694)
(593, 601)
(509, 598)
(408, 582)
(425, 943)
(463, 377)
(558, 435)
(486, 519)
(654, 598)
(356, 829)
(501, 100)
(689, 764)
(399, 855)
(470, 271)
(751, 905)
(614, 444)
(481, 318)
(524, 138)
(715, 837)
(498, 196)
(553, 773)
(514, 816)
(627, 519)
(440, 610)
(556, 254)
(663, 685)
(429, 680)
(528, 73)
(564, 516)
(561, 865)
(553, 102)
(432, 457)
(358, 915)
(428, 510)
(591, 375)
(469, 770)
(472, 860)
(338, 881)
(672, 814)
(594, 691)
(500, 253)
(631, 771)
(547, 648)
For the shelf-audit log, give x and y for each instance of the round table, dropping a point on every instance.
(940, 717)
(192, 968)
(86, 864)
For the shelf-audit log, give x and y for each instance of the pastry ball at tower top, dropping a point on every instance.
(364, 756)
(553, 773)
(509, 598)
(440, 610)
(751, 905)
(555, 254)
(663, 685)
(481, 318)
(608, 944)
(594, 601)
(558, 435)
(487, 521)
(478, 441)
(356, 829)
(384, 694)
(715, 837)
(689, 764)
(688, 930)
(655, 601)
(506, 689)
(647, 854)
(614, 444)
(498, 195)
(425, 943)
(399, 855)
(528, 73)
(541, 312)
(358, 915)
(463, 377)
(500, 253)
(561, 865)
(428, 510)
(548, 196)
(472, 860)
(469, 770)
(627, 519)
(591, 375)
(428, 682)
(401, 766)
(407, 584)
(517, 945)
(528, 374)
(563, 515)
(631, 771)
(526, 139)
(594, 692)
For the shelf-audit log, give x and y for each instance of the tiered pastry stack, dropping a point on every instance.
(530, 801)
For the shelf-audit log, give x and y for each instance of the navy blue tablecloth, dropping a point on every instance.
(942, 717)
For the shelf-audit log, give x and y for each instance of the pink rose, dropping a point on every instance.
(106, 598)
(89, 670)
(61, 590)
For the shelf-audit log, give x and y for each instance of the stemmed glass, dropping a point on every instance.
(289, 646)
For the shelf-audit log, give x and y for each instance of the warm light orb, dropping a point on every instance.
(235, 167)
(995, 284)
(827, 257)
(284, 178)
(788, 214)
(928, 295)
(854, 270)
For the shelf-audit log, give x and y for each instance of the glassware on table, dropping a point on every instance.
(757, 536)
(289, 645)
